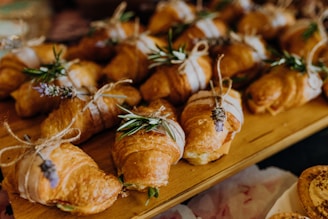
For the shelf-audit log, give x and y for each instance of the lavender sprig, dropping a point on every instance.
(52, 90)
(49, 171)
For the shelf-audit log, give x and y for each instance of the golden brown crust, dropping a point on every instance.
(167, 16)
(145, 158)
(281, 89)
(312, 179)
(131, 62)
(166, 82)
(193, 34)
(29, 102)
(75, 170)
(203, 143)
(101, 115)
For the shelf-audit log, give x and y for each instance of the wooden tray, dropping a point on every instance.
(260, 137)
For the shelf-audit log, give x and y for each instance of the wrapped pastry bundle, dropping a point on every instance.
(170, 13)
(91, 115)
(131, 61)
(34, 96)
(54, 172)
(267, 21)
(301, 38)
(289, 83)
(182, 75)
(205, 28)
(100, 44)
(211, 119)
(243, 60)
(147, 143)
(231, 11)
(13, 63)
(312, 191)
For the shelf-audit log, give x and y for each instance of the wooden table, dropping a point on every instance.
(261, 136)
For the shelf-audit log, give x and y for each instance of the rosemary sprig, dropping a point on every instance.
(312, 28)
(134, 123)
(126, 16)
(48, 73)
(292, 61)
(167, 55)
(152, 193)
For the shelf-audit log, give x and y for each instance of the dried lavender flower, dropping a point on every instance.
(52, 90)
(49, 171)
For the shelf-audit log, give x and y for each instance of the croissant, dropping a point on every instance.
(231, 11)
(144, 158)
(170, 13)
(13, 63)
(302, 37)
(204, 143)
(268, 21)
(100, 45)
(207, 28)
(30, 102)
(243, 60)
(131, 61)
(91, 116)
(177, 82)
(77, 185)
(282, 89)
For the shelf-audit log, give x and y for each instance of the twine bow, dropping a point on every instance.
(54, 141)
(218, 112)
(200, 49)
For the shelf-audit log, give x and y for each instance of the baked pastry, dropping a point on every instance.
(268, 21)
(13, 63)
(54, 172)
(148, 142)
(33, 97)
(91, 114)
(170, 13)
(302, 37)
(243, 60)
(312, 190)
(288, 215)
(131, 60)
(211, 119)
(285, 86)
(231, 11)
(100, 44)
(176, 80)
(203, 29)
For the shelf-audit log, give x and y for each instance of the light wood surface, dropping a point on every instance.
(261, 136)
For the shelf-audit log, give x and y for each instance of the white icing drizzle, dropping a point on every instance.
(208, 27)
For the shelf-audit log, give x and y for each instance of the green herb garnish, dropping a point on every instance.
(167, 55)
(126, 16)
(134, 123)
(48, 73)
(292, 61)
(65, 207)
(312, 28)
(152, 193)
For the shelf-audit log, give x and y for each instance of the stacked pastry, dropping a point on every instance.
(181, 101)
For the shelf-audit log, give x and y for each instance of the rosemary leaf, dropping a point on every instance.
(312, 28)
